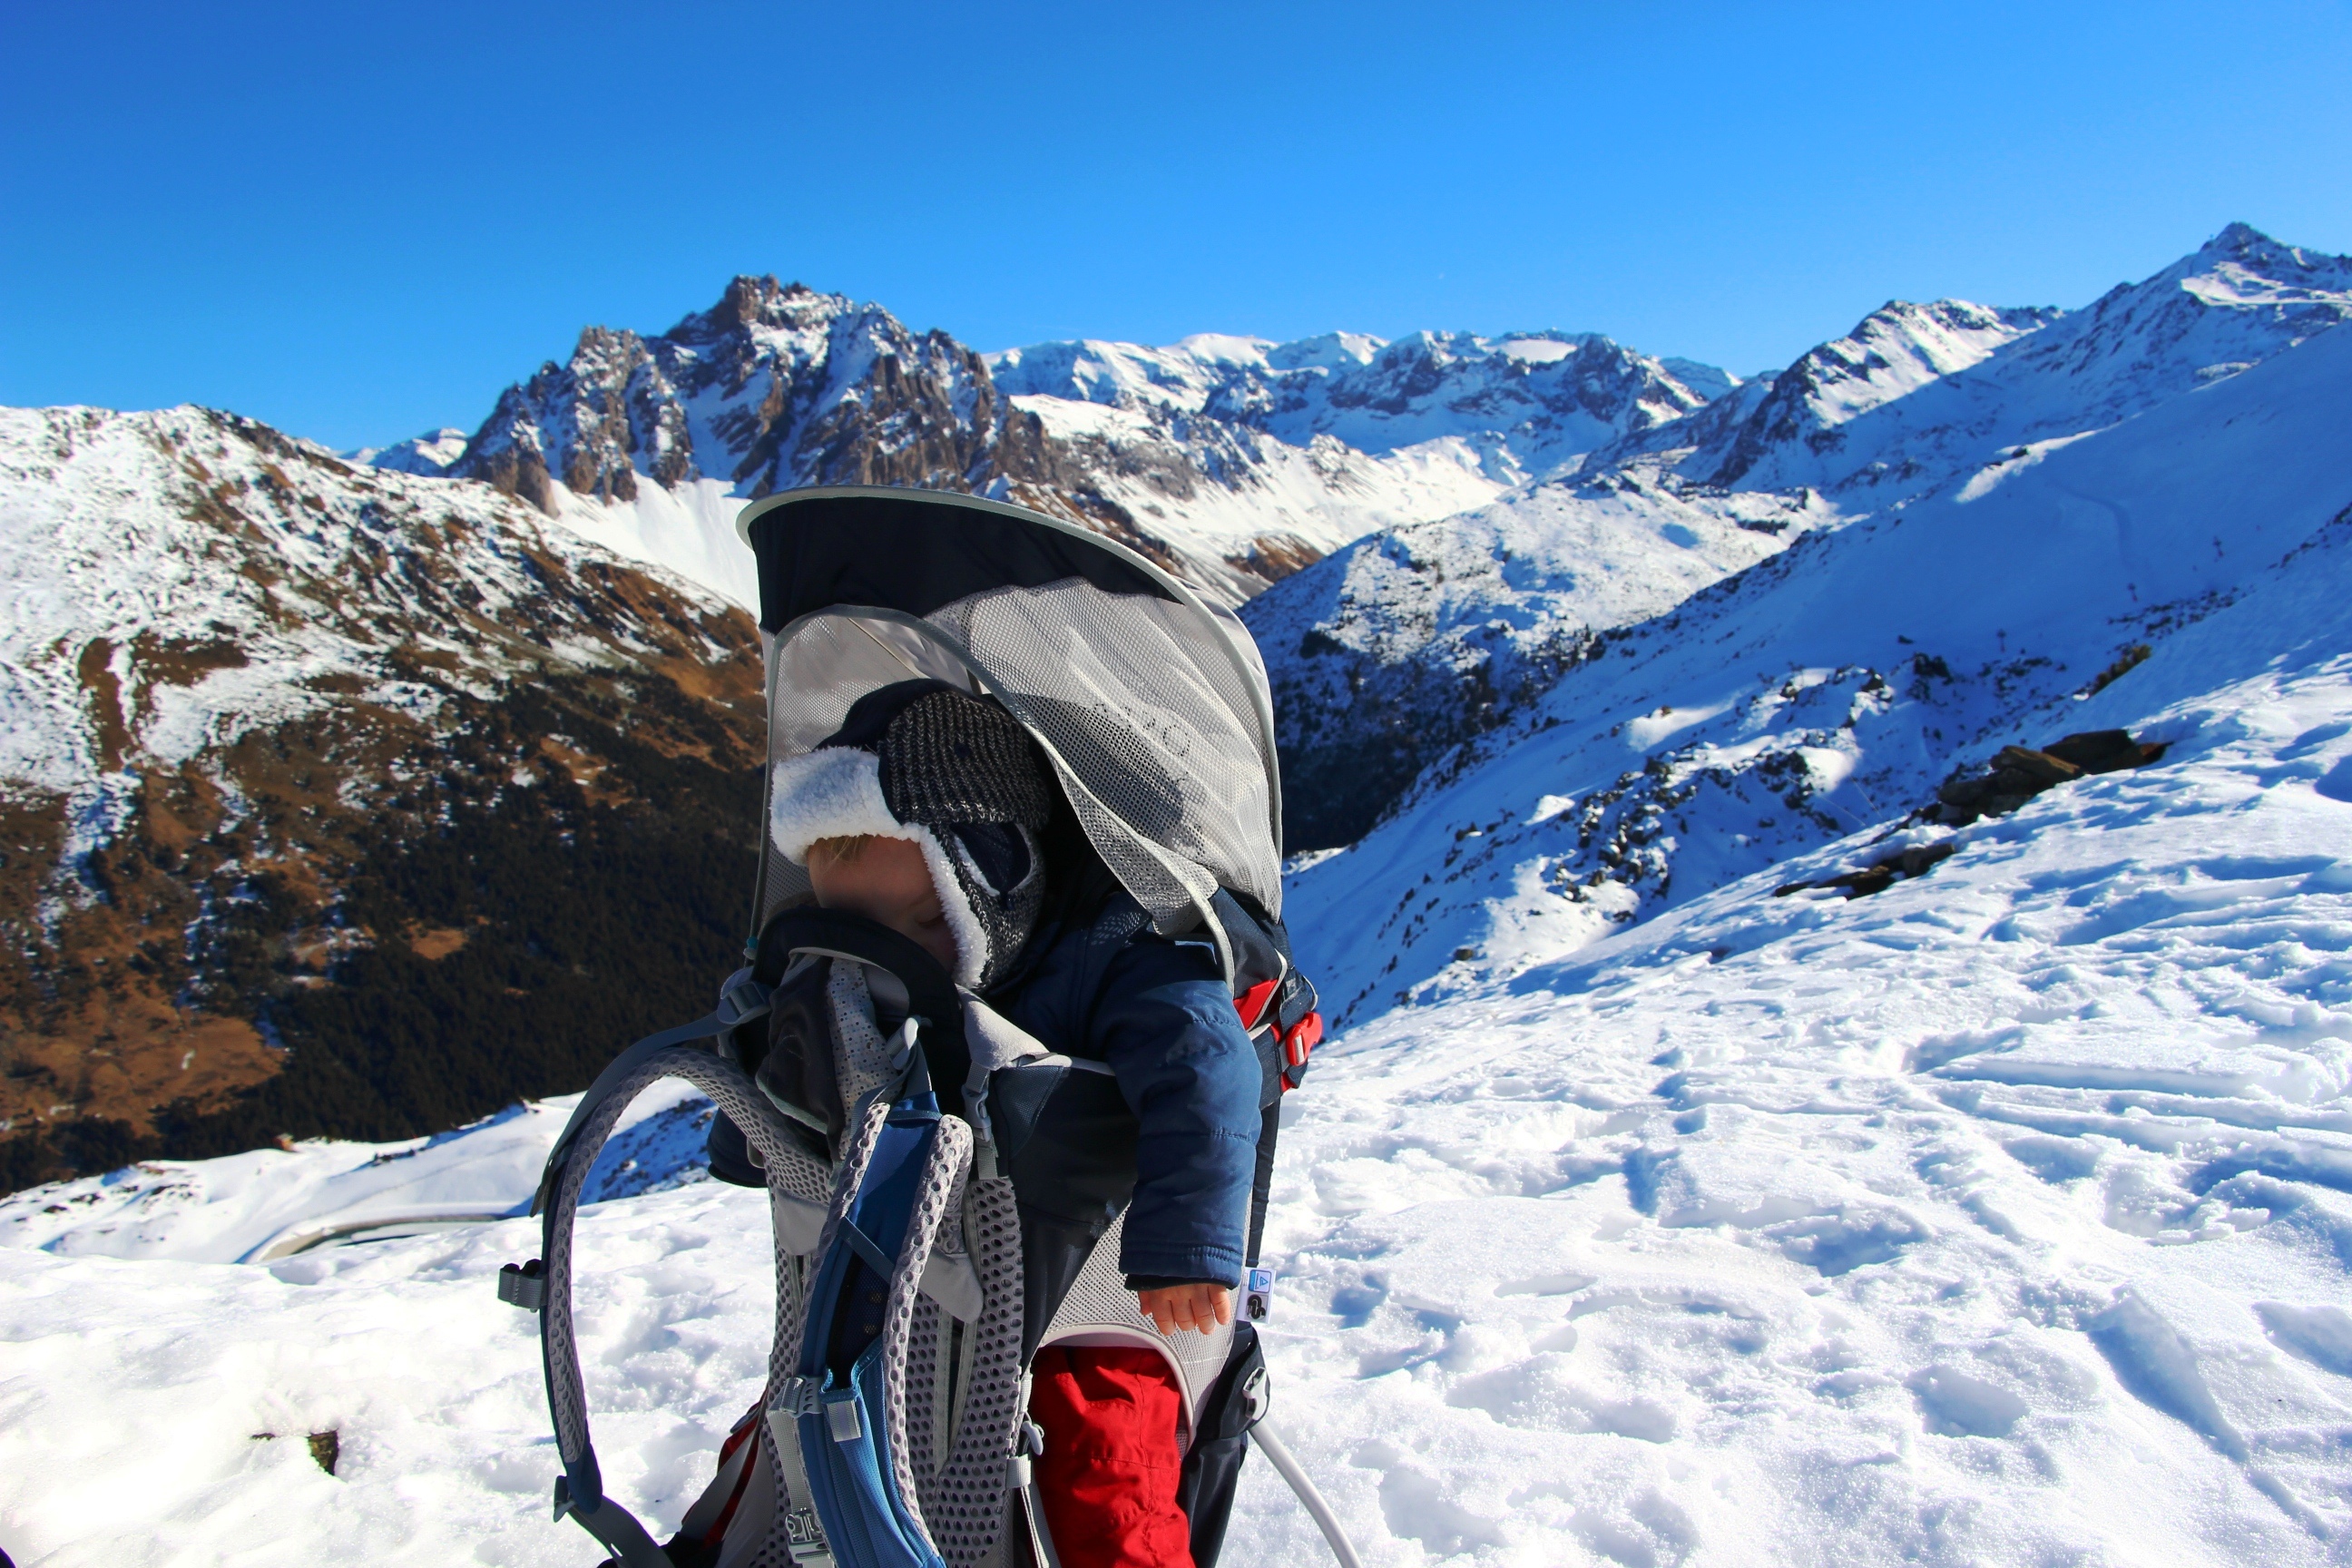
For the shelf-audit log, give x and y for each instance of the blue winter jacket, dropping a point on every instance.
(1160, 1014)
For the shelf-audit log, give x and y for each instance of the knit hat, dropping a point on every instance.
(956, 776)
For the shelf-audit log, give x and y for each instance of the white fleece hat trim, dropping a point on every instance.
(836, 793)
(832, 793)
(971, 942)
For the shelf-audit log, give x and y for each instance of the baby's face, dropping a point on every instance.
(887, 883)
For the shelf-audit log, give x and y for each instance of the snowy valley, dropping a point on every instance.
(1650, 1206)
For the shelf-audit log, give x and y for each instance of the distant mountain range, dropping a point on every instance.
(363, 794)
(1997, 551)
(1409, 642)
(1234, 460)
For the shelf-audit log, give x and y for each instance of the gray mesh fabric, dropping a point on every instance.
(959, 1504)
(1099, 1307)
(788, 1170)
(927, 1387)
(939, 1200)
(861, 1056)
(965, 1504)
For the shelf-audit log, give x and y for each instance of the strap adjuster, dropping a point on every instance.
(523, 1284)
(1298, 1043)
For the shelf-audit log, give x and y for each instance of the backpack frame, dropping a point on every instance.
(917, 1452)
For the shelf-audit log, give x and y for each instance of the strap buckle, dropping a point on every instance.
(1298, 1043)
(798, 1396)
(741, 999)
(1253, 1003)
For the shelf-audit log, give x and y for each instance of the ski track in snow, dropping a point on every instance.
(1924, 1227)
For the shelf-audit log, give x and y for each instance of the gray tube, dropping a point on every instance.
(1321, 1511)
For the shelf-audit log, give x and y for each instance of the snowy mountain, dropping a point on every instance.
(1916, 395)
(1232, 461)
(1833, 686)
(1527, 404)
(1396, 648)
(336, 797)
(429, 454)
(238, 669)
(1380, 666)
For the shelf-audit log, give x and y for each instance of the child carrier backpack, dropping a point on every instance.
(947, 1192)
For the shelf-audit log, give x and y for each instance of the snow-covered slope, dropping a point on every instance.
(1919, 393)
(297, 761)
(1997, 1220)
(271, 1203)
(1833, 686)
(1919, 401)
(1391, 651)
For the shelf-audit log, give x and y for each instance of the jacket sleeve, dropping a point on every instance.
(1164, 1021)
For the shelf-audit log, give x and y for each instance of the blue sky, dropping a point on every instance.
(358, 221)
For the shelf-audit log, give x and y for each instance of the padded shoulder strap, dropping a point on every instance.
(790, 1172)
(741, 1001)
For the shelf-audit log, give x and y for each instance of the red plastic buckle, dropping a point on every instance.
(1253, 1003)
(1298, 1041)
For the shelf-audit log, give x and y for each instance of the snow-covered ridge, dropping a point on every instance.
(429, 454)
(1919, 394)
(1835, 685)
(1370, 654)
(1537, 399)
(176, 578)
(1234, 460)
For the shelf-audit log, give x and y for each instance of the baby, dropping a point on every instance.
(885, 879)
(931, 812)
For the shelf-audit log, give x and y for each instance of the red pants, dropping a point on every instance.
(1110, 1468)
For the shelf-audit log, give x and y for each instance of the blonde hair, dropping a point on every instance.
(842, 849)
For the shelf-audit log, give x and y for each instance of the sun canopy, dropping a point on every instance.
(1151, 703)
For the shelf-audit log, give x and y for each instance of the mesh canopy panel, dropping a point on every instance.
(1154, 709)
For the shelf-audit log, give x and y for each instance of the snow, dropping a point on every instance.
(431, 453)
(688, 528)
(1322, 495)
(1918, 394)
(1919, 1227)
(274, 1203)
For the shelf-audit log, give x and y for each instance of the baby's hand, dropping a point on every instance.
(1198, 1307)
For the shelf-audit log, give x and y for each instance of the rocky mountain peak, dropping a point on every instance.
(753, 302)
(775, 386)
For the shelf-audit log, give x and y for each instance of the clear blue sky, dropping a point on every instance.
(360, 221)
